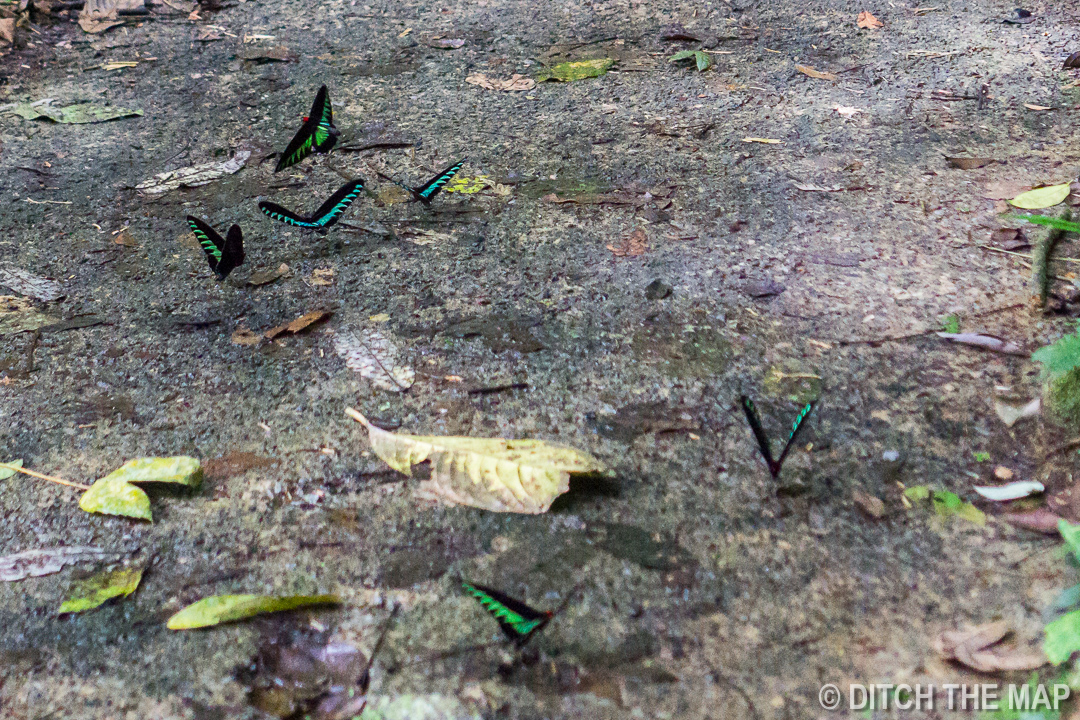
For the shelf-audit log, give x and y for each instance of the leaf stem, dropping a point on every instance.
(32, 473)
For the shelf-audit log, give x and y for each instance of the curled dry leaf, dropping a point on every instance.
(374, 355)
(811, 72)
(266, 276)
(514, 84)
(28, 284)
(34, 563)
(521, 476)
(989, 342)
(193, 176)
(867, 21)
(298, 325)
(973, 649)
(632, 245)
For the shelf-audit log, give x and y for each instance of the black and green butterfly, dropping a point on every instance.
(317, 134)
(431, 188)
(325, 216)
(518, 621)
(223, 255)
(763, 439)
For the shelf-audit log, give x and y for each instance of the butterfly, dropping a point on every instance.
(426, 192)
(225, 255)
(325, 216)
(518, 621)
(317, 134)
(763, 439)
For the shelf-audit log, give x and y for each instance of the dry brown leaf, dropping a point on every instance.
(124, 238)
(323, 277)
(1037, 108)
(968, 163)
(973, 649)
(869, 504)
(373, 355)
(807, 70)
(298, 325)
(632, 245)
(867, 21)
(514, 84)
(262, 277)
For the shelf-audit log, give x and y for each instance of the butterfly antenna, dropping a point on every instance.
(366, 677)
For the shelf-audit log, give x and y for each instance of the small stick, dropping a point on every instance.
(56, 480)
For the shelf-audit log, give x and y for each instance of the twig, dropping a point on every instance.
(1024, 255)
(56, 480)
(498, 388)
(1040, 259)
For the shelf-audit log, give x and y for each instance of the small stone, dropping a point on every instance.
(657, 290)
(890, 455)
(1003, 473)
(869, 504)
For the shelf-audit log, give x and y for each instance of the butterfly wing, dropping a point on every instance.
(232, 254)
(325, 132)
(276, 212)
(336, 204)
(759, 434)
(209, 239)
(433, 186)
(304, 142)
(795, 428)
(517, 620)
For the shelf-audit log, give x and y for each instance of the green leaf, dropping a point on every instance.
(981, 456)
(951, 324)
(180, 470)
(113, 496)
(703, 61)
(571, 71)
(6, 472)
(1071, 535)
(74, 114)
(683, 55)
(94, 591)
(918, 492)
(1056, 223)
(1040, 198)
(1060, 357)
(1062, 637)
(228, 608)
(946, 504)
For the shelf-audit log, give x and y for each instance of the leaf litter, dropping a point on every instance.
(193, 176)
(515, 83)
(519, 476)
(30, 285)
(373, 355)
(978, 648)
(45, 561)
(298, 325)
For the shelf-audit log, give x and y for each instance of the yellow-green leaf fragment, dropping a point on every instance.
(1040, 198)
(521, 476)
(179, 470)
(229, 608)
(6, 472)
(92, 592)
(112, 496)
(579, 70)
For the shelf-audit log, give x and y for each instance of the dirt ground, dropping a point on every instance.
(813, 267)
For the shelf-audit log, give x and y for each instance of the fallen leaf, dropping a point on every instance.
(1040, 198)
(299, 324)
(632, 245)
(973, 649)
(766, 141)
(869, 504)
(521, 476)
(193, 176)
(1011, 414)
(379, 318)
(807, 70)
(1011, 491)
(322, 276)
(374, 355)
(74, 114)
(516, 83)
(93, 592)
(867, 21)
(19, 315)
(989, 342)
(846, 111)
(266, 276)
(1062, 637)
(7, 30)
(6, 472)
(701, 59)
(579, 70)
(34, 563)
(229, 608)
(30, 285)
(1037, 108)
(124, 238)
(967, 163)
(115, 495)
(445, 43)
(1039, 520)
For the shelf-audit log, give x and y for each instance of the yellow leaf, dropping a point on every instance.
(90, 593)
(1029, 106)
(522, 476)
(767, 141)
(807, 70)
(227, 608)
(1040, 198)
(113, 496)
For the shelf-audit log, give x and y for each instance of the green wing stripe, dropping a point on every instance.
(208, 245)
(798, 420)
(508, 618)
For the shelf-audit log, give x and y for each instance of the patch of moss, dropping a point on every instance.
(1063, 397)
